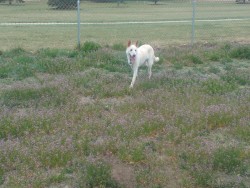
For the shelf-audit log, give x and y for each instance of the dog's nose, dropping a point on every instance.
(134, 55)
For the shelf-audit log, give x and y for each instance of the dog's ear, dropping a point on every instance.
(136, 44)
(129, 43)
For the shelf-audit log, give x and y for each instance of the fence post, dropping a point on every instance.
(78, 24)
(193, 21)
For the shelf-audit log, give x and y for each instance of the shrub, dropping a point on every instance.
(242, 52)
(90, 46)
(97, 175)
(63, 4)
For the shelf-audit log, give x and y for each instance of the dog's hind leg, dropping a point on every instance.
(150, 64)
(149, 71)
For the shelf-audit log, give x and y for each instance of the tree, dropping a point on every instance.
(155, 1)
(10, 1)
(242, 1)
(63, 4)
(106, 1)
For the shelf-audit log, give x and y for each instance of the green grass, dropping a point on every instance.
(229, 160)
(97, 175)
(33, 97)
(69, 118)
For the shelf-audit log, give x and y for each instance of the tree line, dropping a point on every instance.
(11, 1)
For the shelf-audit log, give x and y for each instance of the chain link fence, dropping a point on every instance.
(34, 24)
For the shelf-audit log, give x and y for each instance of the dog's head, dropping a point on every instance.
(132, 51)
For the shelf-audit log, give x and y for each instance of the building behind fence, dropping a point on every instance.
(35, 24)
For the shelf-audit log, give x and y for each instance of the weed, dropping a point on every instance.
(178, 66)
(97, 175)
(14, 52)
(242, 52)
(195, 59)
(58, 178)
(83, 145)
(213, 86)
(215, 56)
(219, 120)
(54, 158)
(132, 155)
(90, 46)
(228, 160)
(4, 72)
(233, 77)
(242, 132)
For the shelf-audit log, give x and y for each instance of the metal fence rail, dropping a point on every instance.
(35, 24)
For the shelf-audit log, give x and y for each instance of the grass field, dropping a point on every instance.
(69, 119)
(34, 37)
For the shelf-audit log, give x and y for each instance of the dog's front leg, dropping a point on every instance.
(134, 77)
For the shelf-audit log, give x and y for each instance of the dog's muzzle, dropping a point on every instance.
(132, 58)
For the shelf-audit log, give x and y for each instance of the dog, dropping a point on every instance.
(138, 56)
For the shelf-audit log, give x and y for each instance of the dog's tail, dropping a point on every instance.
(157, 59)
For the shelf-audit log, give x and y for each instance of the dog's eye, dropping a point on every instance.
(131, 50)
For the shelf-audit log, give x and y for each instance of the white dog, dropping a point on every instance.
(138, 56)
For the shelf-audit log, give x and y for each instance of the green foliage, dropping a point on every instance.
(14, 52)
(242, 52)
(214, 86)
(98, 175)
(228, 160)
(22, 127)
(203, 177)
(195, 59)
(18, 64)
(32, 97)
(236, 77)
(132, 155)
(54, 158)
(90, 46)
(242, 132)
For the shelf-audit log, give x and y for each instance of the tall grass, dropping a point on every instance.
(68, 118)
